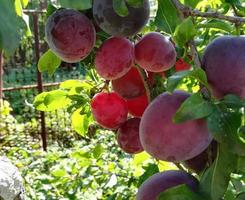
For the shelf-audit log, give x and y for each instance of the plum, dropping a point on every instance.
(201, 161)
(109, 110)
(137, 106)
(155, 52)
(113, 24)
(164, 139)
(181, 65)
(159, 182)
(114, 58)
(130, 85)
(70, 35)
(224, 63)
(128, 136)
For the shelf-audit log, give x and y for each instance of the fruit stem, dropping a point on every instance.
(145, 81)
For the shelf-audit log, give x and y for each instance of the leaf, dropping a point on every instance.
(135, 3)
(218, 24)
(48, 62)
(50, 101)
(215, 180)
(180, 192)
(150, 170)
(233, 101)
(194, 107)
(97, 151)
(80, 122)
(224, 126)
(76, 4)
(191, 3)
(24, 3)
(9, 27)
(241, 164)
(50, 10)
(120, 8)
(140, 158)
(198, 74)
(59, 173)
(184, 32)
(73, 83)
(167, 17)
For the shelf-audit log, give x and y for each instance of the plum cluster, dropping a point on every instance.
(142, 125)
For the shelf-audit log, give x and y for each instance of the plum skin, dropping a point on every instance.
(224, 63)
(159, 182)
(155, 52)
(130, 85)
(114, 58)
(115, 25)
(137, 106)
(70, 35)
(164, 139)
(128, 136)
(109, 110)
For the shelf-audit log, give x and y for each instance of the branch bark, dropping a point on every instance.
(187, 11)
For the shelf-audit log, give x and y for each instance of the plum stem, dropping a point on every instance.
(145, 82)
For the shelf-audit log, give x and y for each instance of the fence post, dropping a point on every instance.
(39, 79)
(1, 76)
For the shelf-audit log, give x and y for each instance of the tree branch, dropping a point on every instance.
(187, 11)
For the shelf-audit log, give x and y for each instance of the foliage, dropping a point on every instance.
(94, 167)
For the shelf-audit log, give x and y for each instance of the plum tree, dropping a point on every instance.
(158, 183)
(223, 61)
(155, 52)
(181, 65)
(114, 58)
(115, 25)
(137, 106)
(201, 161)
(128, 136)
(164, 139)
(130, 85)
(70, 35)
(109, 110)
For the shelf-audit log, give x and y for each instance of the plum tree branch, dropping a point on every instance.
(188, 11)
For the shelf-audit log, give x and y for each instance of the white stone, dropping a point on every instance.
(10, 180)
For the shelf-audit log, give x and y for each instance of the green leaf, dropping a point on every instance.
(150, 170)
(9, 27)
(240, 196)
(167, 16)
(24, 3)
(80, 122)
(215, 180)
(233, 101)
(194, 107)
(97, 151)
(50, 101)
(50, 10)
(120, 8)
(198, 74)
(217, 24)
(180, 192)
(135, 3)
(184, 32)
(241, 164)
(191, 3)
(76, 83)
(59, 173)
(48, 62)
(224, 126)
(76, 4)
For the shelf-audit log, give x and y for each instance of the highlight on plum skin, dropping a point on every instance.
(159, 182)
(137, 106)
(114, 58)
(155, 52)
(128, 136)
(164, 139)
(70, 35)
(109, 110)
(115, 25)
(130, 85)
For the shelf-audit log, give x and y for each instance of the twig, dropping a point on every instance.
(187, 11)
